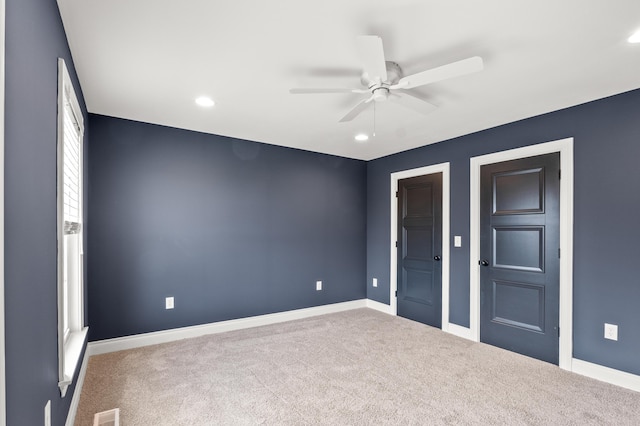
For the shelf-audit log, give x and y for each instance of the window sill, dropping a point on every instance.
(71, 357)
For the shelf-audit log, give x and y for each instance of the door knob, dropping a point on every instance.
(484, 262)
(436, 258)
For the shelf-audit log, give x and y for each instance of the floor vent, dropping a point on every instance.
(107, 418)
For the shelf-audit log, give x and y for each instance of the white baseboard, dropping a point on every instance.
(594, 371)
(458, 330)
(606, 374)
(379, 306)
(73, 409)
(578, 366)
(165, 336)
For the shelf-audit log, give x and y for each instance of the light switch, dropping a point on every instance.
(457, 241)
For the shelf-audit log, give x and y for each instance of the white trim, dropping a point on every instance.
(71, 357)
(75, 400)
(165, 336)
(460, 331)
(393, 279)
(565, 148)
(584, 368)
(3, 384)
(69, 344)
(598, 372)
(606, 374)
(381, 307)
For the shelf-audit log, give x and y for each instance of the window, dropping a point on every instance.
(71, 330)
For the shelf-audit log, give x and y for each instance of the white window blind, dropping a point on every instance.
(71, 169)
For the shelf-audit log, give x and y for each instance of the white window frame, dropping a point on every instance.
(71, 330)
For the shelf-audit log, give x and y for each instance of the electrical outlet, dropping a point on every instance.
(610, 331)
(168, 303)
(318, 285)
(375, 282)
(47, 413)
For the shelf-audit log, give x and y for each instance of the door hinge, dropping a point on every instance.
(396, 194)
(558, 253)
(396, 244)
(396, 293)
(559, 174)
(558, 331)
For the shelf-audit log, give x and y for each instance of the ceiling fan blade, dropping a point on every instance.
(372, 56)
(412, 102)
(328, 90)
(361, 106)
(454, 69)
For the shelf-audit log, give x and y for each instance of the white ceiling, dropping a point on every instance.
(148, 60)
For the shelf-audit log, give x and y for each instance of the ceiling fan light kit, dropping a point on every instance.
(384, 80)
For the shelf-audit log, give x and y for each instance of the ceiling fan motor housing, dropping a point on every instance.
(394, 74)
(380, 94)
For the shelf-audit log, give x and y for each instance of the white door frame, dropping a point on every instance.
(3, 398)
(393, 279)
(565, 148)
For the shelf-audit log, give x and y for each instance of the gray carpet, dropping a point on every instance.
(358, 367)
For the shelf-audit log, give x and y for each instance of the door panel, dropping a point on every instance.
(518, 248)
(518, 191)
(419, 286)
(519, 245)
(419, 245)
(518, 305)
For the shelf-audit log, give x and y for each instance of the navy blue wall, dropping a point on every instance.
(233, 228)
(230, 228)
(34, 40)
(606, 231)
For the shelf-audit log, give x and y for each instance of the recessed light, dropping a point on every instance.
(205, 101)
(361, 137)
(635, 37)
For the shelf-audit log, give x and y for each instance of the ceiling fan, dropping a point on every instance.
(384, 79)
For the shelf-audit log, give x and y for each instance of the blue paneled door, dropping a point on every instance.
(419, 249)
(520, 249)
